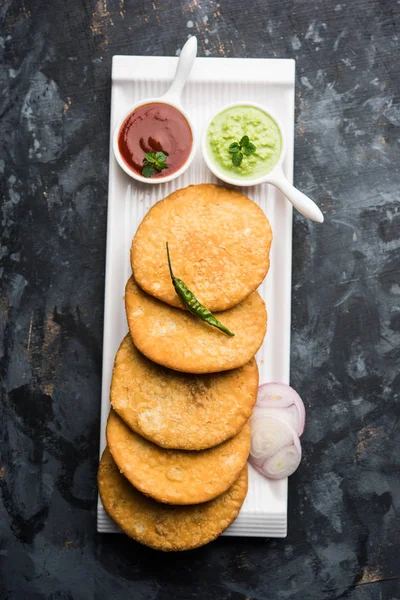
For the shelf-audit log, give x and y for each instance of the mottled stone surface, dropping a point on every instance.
(344, 504)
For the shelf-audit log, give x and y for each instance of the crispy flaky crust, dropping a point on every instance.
(219, 242)
(176, 476)
(162, 526)
(179, 410)
(179, 340)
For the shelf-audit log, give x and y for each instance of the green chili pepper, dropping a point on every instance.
(191, 302)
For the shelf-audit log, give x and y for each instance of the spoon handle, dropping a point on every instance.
(185, 64)
(300, 201)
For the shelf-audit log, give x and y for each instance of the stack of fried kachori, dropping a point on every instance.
(174, 473)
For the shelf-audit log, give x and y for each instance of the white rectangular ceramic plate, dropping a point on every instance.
(213, 82)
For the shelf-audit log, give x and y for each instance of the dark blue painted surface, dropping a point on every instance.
(55, 63)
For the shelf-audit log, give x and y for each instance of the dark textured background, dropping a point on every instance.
(344, 503)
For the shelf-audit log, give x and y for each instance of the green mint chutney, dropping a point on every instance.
(230, 126)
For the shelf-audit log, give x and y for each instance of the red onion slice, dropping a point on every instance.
(283, 464)
(268, 435)
(275, 447)
(282, 401)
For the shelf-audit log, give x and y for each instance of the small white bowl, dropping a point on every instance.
(134, 174)
(216, 169)
(171, 98)
(276, 177)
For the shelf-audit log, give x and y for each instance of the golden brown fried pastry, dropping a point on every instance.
(179, 340)
(162, 526)
(219, 242)
(176, 476)
(179, 410)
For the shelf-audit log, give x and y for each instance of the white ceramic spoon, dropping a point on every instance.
(276, 177)
(173, 98)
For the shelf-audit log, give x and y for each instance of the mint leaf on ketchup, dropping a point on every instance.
(154, 162)
(148, 170)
